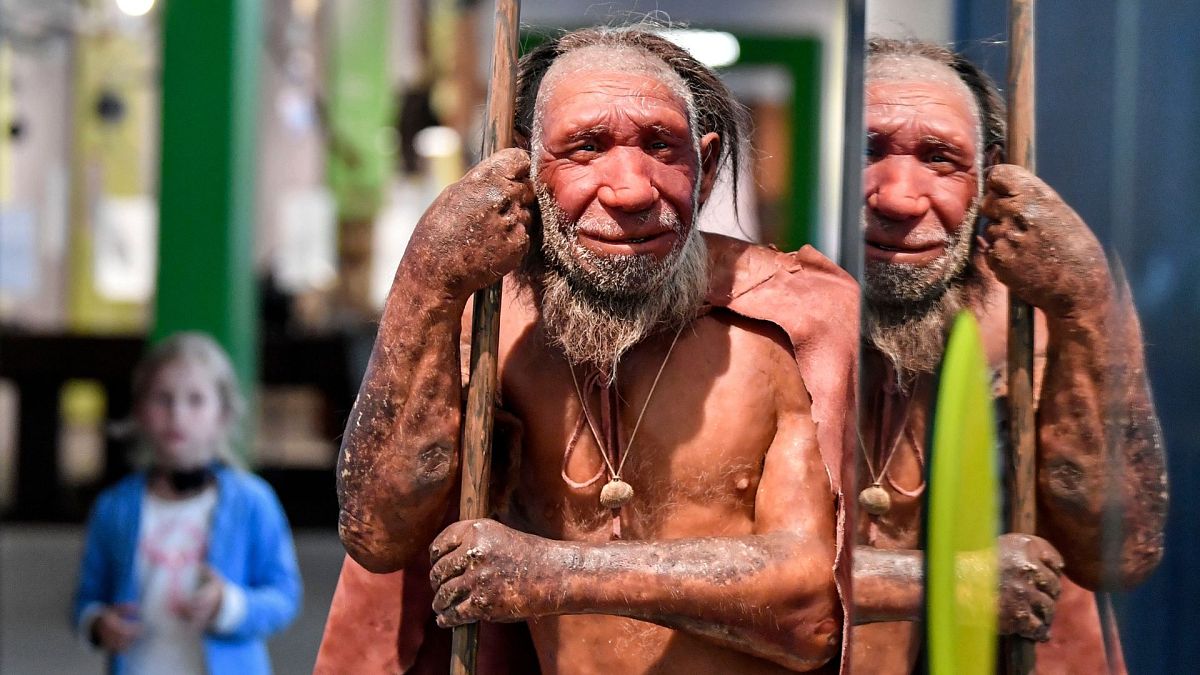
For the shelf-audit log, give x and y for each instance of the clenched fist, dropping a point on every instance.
(1039, 247)
(1029, 585)
(486, 571)
(475, 232)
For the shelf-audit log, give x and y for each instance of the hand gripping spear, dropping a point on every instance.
(1019, 654)
(485, 334)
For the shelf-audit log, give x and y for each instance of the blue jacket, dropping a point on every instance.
(250, 545)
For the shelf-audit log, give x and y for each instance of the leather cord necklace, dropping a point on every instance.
(616, 493)
(875, 498)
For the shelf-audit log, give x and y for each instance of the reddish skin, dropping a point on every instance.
(921, 173)
(729, 538)
(1091, 369)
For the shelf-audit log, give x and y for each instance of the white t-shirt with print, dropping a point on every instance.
(172, 548)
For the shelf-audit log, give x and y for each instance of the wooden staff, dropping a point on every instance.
(485, 333)
(1019, 652)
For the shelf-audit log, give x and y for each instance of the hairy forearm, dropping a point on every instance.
(888, 585)
(399, 453)
(1100, 449)
(772, 596)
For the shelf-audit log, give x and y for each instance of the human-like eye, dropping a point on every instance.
(659, 145)
(871, 149)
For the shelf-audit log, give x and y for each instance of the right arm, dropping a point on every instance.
(99, 621)
(889, 585)
(97, 579)
(399, 455)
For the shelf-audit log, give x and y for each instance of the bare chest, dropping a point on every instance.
(894, 431)
(691, 448)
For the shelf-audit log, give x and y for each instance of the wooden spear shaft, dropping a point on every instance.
(1019, 652)
(485, 334)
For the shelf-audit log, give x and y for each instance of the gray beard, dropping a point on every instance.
(597, 312)
(908, 307)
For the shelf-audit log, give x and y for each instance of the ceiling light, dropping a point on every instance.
(714, 49)
(135, 7)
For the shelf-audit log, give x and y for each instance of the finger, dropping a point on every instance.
(527, 194)
(995, 206)
(1043, 607)
(1004, 208)
(447, 568)
(1027, 624)
(1008, 180)
(1001, 251)
(1050, 585)
(447, 541)
(510, 163)
(451, 593)
(1051, 558)
(469, 610)
(1001, 229)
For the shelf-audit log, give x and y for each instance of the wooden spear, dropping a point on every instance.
(485, 333)
(1019, 652)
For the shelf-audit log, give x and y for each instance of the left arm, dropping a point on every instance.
(271, 596)
(1099, 443)
(770, 594)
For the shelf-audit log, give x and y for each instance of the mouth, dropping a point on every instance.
(909, 255)
(657, 243)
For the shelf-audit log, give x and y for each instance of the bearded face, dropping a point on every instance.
(923, 184)
(618, 175)
(901, 285)
(597, 307)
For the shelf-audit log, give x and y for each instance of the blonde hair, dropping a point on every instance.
(199, 349)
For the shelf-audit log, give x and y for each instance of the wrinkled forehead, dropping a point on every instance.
(583, 65)
(927, 75)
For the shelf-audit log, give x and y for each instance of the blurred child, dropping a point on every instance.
(189, 564)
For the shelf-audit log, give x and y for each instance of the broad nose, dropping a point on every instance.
(625, 182)
(897, 188)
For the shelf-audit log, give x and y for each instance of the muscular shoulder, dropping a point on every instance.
(760, 356)
(737, 267)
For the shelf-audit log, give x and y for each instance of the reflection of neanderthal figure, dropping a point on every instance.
(935, 129)
(672, 512)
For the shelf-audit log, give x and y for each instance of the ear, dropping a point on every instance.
(710, 161)
(993, 155)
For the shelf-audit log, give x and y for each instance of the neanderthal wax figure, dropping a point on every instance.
(681, 401)
(935, 128)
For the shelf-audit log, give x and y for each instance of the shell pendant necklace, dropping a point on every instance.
(616, 492)
(874, 498)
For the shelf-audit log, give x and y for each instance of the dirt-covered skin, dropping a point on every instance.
(1098, 439)
(727, 548)
(399, 458)
(1094, 395)
(1029, 584)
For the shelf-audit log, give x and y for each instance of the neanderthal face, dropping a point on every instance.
(921, 183)
(619, 176)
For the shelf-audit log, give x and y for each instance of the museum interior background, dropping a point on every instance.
(254, 168)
